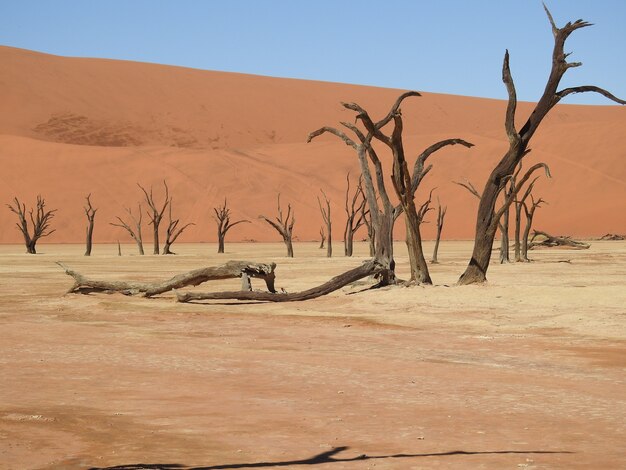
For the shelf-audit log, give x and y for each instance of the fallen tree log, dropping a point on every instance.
(552, 241)
(368, 268)
(232, 269)
(613, 236)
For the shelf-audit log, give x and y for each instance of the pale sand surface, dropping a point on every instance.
(525, 372)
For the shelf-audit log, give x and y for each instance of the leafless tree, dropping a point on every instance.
(325, 211)
(135, 230)
(530, 214)
(222, 218)
(356, 212)
(40, 219)
(405, 184)
(487, 217)
(520, 203)
(155, 213)
(90, 212)
(173, 231)
(371, 234)
(322, 238)
(284, 226)
(441, 214)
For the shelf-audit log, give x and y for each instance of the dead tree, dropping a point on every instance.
(135, 230)
(90, 212)
(520, 251)
(232, 269)
(173, 231)
(553, 241)
(222, 217)
(530, 214)
(325, 211)
(405, 184)
(369, 268)
(322, 237)
(39, 218)
(355, 212)
(371, 234)
(155, 213)
(441, 214)
(284, 226)
(487, 218)
(613, 237)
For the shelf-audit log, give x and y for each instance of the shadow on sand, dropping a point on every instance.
(323, 458)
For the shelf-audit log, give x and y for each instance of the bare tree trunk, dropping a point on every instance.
(232, 269)
(39, 219)
(134, 232)
(348, 248)
(441, 214)
(518, 225)
(284, 226)
(173, 232)
(323, 238)
(325, 211)
(222, 217)
(119, 249)
(504, 238)
(355, 214)
(367, 269)
(486, 220)
(90, 212)
(155, 213)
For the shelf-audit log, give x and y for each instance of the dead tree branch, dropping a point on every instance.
(135, 231)
(283, 225)
(40, 219)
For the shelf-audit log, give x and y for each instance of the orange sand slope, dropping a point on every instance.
(69, 127)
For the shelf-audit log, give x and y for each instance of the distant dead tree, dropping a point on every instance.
(530, 214)
(155, 213)
(322, 237)
(553, 241)
(441, 214)
(284, 226)
(135, 230)
(613, 237)
(371, 234)
(90, 212)
(39, 218)
(325, 211)
(222, 218)
(487, 218)
(355, 212)
(405, 184)
(173, 231)
(520, 203)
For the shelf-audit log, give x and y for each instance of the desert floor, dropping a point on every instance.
(525, 372)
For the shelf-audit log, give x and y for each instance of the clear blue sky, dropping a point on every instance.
(448, 46)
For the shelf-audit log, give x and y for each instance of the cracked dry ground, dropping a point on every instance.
(492, 377)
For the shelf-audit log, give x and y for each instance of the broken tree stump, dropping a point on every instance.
(232, 269)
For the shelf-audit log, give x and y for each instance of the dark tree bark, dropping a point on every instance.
(119, 249)
(222, 217)
(40, 219)
(368, 268)
(323, 238)
(173, 231)
(504, 229)
(90, 212)
(325, 211)
(355, 212)
(284, 226)
(135, 230)
(232, 269)
(530, 214)
(371, 233)
(441, 215)
(155, 213)
(487, 220)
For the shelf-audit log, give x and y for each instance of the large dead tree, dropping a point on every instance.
(326, 217)
(222, 218)
(40, 218)
(155, 213)
(441, 215)
(232, 269)
(135, 230)
(530, 214)
(90, 213)
(355, 207)
(284, 226)
(487, 218)
(384, 215)
(173, 231)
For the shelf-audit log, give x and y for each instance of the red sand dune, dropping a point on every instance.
(69, 127)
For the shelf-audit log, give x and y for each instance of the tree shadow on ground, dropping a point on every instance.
(323, 458)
